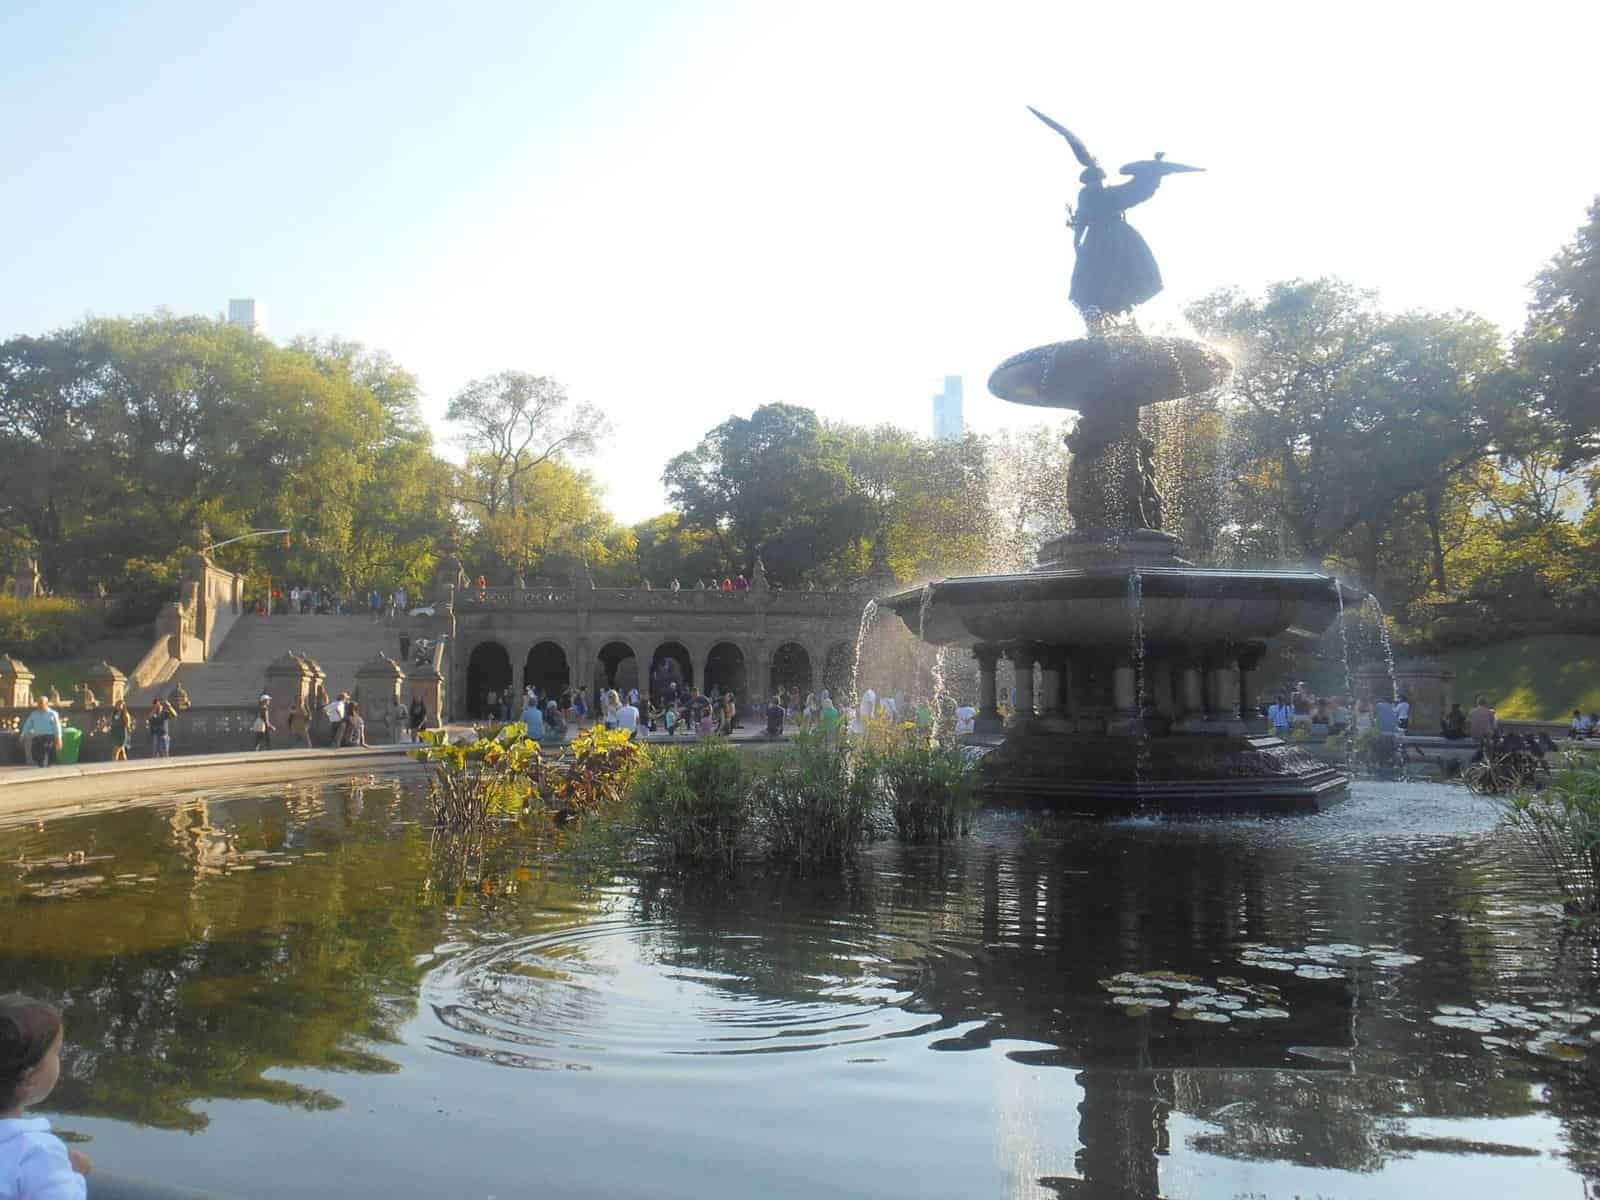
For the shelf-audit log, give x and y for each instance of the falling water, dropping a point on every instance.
(924, 668)
(869, 617)
(1344, 645)
(1136, 621)
(941, 696)
(1388, 647)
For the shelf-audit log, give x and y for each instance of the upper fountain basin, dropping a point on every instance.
(1092, 607)
(1115, 371)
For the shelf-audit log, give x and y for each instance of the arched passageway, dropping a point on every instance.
(725, 672)
(546, 668)
(488, 675)
(615, 667)
(671, 664)
(791, 668)
(836, 671)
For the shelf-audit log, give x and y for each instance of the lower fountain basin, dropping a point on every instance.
(1091, 606)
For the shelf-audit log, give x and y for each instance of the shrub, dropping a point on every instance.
(933, 785)
(46, 627)
(694, 800)
(815, 799)
(1561, 822)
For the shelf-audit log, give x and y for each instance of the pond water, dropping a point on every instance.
(294, 994)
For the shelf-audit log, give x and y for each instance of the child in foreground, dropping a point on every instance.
(34, 1163)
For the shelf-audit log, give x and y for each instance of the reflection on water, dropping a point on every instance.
(1375, 994)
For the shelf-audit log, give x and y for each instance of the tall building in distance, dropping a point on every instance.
(243, 314)
(947, 423)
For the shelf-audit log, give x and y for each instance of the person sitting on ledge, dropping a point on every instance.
(1581, 726)
(1454, 724)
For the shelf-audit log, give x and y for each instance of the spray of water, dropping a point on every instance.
(1344, 645)
(869, 618)
(1382, 621)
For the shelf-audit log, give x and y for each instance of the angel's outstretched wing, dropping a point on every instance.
(1078, 148)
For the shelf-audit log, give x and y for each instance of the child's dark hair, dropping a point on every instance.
(28, 1028)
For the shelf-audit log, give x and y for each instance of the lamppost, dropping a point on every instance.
(254, 533)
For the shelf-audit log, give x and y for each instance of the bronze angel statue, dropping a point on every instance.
(1114, 270)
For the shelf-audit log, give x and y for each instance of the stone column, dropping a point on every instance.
(988, 700)
(16, 683)
(289, 683)
(1247, 662)
(1021, 657)
(106, 682)
(378, 687)
(1193, 690)
(427, 683)
(1221, 704)
(1124, 688)
(1049, 700)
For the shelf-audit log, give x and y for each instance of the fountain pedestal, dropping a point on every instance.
(1144, 659)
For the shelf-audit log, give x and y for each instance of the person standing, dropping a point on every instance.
(336, 711)
(1481, 722)
(159, 723)
(355, 726)
(264, 726)
(121, 731)
(1402, 712)
(627, 719)
(42, 732)
(299, 722)
(419, 718)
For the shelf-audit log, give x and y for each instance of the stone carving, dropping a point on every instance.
(1115, 270)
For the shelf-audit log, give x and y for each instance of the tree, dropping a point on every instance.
(667, 549)
(558, 525)
(1345, 413)
(1560, 346)
(513, 423)
(772, 486)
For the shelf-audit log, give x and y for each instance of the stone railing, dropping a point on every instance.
(664, 600)
(200, 730)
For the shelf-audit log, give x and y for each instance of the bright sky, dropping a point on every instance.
(682, 211)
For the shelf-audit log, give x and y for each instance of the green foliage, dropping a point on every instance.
(694, 800)
(773, 486)
(1560, 348)
(815, 800)
(1531, 679)
(1561, 823)
(46, 628)
(933, 785)
(123, 436)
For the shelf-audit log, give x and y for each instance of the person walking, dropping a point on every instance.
(336, 711)
(41, 733)
(263, 725)
(159, 724)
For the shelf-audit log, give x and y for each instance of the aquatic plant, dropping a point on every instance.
(933, 785)
(503, 773)
(693, 800)
(815, 800)
(1561, 823)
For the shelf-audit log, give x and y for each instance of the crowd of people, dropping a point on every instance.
(300, 599)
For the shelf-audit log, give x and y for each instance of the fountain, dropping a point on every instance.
(1144, 658)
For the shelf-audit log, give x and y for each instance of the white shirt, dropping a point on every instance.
(627, 717)
(34, 1163)
(1402, 711)
(869, 704)
(966, 719)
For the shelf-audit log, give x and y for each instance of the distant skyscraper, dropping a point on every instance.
(947, 424)
(243, 314)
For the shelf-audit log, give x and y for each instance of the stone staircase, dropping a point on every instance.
(236, 673)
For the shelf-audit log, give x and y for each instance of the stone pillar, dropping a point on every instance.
(16, 683)
(378, 687)
(1221, 702)
(427, 683)
(988, 699)
(1192, 690)
(1124, 689)
(1022, 658)
(289, 682)
(1247, 662)
(107, 683)
(1049, 699)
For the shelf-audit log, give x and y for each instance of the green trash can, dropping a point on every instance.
(71, 744)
